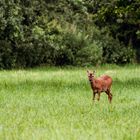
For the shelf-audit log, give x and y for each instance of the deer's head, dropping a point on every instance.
(91, 75)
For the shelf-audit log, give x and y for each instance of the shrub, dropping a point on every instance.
(89, 55)
(33, 53)
(116, 52)
(78, 49)
(7, 56)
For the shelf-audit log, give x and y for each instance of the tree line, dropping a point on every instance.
(68, 32)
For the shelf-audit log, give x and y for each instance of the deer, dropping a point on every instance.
(100, 84)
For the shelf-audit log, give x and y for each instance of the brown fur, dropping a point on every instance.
(100, 84)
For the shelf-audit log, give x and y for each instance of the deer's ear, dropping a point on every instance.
(94, 72)
(88, 72)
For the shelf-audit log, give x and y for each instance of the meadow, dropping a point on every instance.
(51, 103)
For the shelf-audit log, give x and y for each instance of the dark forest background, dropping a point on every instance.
(68, 32)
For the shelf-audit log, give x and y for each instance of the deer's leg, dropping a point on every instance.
(109, 95)
(98, 96)
(93, 96)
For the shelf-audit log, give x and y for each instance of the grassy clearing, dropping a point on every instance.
(56, 104)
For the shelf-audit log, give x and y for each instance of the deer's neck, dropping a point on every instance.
(92, 83)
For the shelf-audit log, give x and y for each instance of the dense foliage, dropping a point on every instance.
(68, 32)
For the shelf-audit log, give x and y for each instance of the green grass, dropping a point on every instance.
(56, 104)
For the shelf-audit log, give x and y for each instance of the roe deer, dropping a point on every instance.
(100, 84)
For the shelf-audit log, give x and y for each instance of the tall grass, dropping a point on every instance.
(56, 104)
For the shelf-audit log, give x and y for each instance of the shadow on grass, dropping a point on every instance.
(134, 82)
(61, 84)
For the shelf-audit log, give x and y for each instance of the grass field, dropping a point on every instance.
(56, 104)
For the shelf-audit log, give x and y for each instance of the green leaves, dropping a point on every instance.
(38, 32)
(51, 31)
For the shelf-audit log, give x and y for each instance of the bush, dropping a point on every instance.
(34, 53)
(90, 47)
(64, 57)
(89, 55)
(59, 33)
(7, 56)
(116, 52)
(69, 47)
(78, 49)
